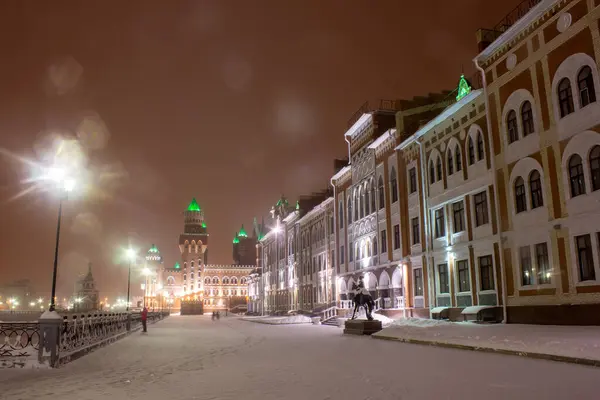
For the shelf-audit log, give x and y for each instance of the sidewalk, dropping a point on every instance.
(573, 344)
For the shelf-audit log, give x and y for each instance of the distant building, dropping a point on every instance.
(18, 292)
(86, 297)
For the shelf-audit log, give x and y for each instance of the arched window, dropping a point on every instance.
(356, 204)
(511, 126)
(431, 172)
(480, 152)
(341, 214)
(225, 281)
(394, 185)
(207, 281)
(458, 156)
(234, 281)
(349, 210)
(520, 201)
(595, 167)
(535, 187)
(438, 167)
(367, 201)
(450, 163)
(381, 193)
(576, 176)
(565, 97)
(585, 81)
(527, 119)
(215, 280)
(471, 151)
(372, 196)
(375, 249)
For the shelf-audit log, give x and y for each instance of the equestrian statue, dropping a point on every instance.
(362, 298)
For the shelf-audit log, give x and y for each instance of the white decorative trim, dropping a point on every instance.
(564, 22)
(511, 61)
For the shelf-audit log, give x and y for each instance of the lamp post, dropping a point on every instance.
(146, 272)
(67, 185)
(131, 257)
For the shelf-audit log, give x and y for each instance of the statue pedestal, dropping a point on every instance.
(362, 327)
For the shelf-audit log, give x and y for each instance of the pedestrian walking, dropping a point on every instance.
(144, 319)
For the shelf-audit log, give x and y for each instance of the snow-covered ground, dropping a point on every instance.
(192, 357)
(568, 341)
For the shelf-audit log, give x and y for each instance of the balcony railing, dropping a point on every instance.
(516, 14)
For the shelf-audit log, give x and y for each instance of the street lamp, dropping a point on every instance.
(131, 257)
(67, 185)
(146, 272)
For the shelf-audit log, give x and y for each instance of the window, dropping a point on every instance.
(396, 237)
(486, 272)
(535, 186)
(481, 209)
(381, 194)
(520, 201)
(350, 252)
(543, 266)
(412, 173)
(458, 158)
(440, 229)
(356, 205)
(585, 81)
(418, 279)
(372, 197)
(576, 176)
(383, 235)
(394, 185)
(511, 126)
(450, 163)
(585, 259)
(375, 249)
(349, 211)
(471, 151)
(367, 203)
(565, 97)
(416, 230)
(342, 254)
(480, 151)
(458, 211)
(438, 167)
(595, 167)
(464, 284)
(526, 267)
(443, 274)
(431, 172)
(527, 119)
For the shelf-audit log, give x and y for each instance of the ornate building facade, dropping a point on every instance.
(86, 297)
(218, 287)
(482, 198)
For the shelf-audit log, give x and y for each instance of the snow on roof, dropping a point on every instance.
(379, 141)
(341, 173)
(511, 33)
(358, 124)
(450, 110)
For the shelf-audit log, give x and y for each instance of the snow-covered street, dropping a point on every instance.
(196, 358)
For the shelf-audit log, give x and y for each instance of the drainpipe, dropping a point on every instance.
(426, 220)
(348, 141)
(335, 213)
(496, 199)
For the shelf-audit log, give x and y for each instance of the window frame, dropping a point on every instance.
(461, 215)
(439, 223)
(443, 279)
(459, 270)
(481, 208)
(490, 277)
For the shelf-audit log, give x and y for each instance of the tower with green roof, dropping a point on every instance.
(244, 248)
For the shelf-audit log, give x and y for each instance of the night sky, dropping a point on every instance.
(231, 102)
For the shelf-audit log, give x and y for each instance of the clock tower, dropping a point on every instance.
(193, 245)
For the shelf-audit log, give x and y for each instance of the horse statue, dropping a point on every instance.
(362, 298)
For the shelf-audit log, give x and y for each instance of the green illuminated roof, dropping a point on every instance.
(242, 232)
(297, 204)
(194, 206)
(153, 249)
(176, 266)
(235, 238)
(203, 224)
(463, 88)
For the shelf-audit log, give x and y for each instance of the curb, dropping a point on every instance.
(539, 356)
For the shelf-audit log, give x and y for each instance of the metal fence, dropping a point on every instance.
(60, 340)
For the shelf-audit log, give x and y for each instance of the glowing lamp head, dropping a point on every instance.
(69, 184)
(146, 271)
(130, 253)
(56, 174)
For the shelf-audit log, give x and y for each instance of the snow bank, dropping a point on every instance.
(567, 341)
(385, 321)
(292, 319)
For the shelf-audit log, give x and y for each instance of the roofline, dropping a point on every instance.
(451, 110)
(358, 124)
(532, 15)
(340, 173)
(319, 207)
(381, 139)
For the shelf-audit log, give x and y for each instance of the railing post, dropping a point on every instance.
(128, 324)
(48, 352)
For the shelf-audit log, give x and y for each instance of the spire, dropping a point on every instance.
(153, 249)
(235, 238)
(243, 232)
(177, 266)
(463, 88)
(89, 268)
(203, 224)
(297, 204)
(194, 206)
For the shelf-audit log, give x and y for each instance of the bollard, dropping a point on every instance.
(49, 323)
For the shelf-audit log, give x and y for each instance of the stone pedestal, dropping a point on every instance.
(50, 323)
(362, 327)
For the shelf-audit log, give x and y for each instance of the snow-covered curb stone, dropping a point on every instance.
(294, 319)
